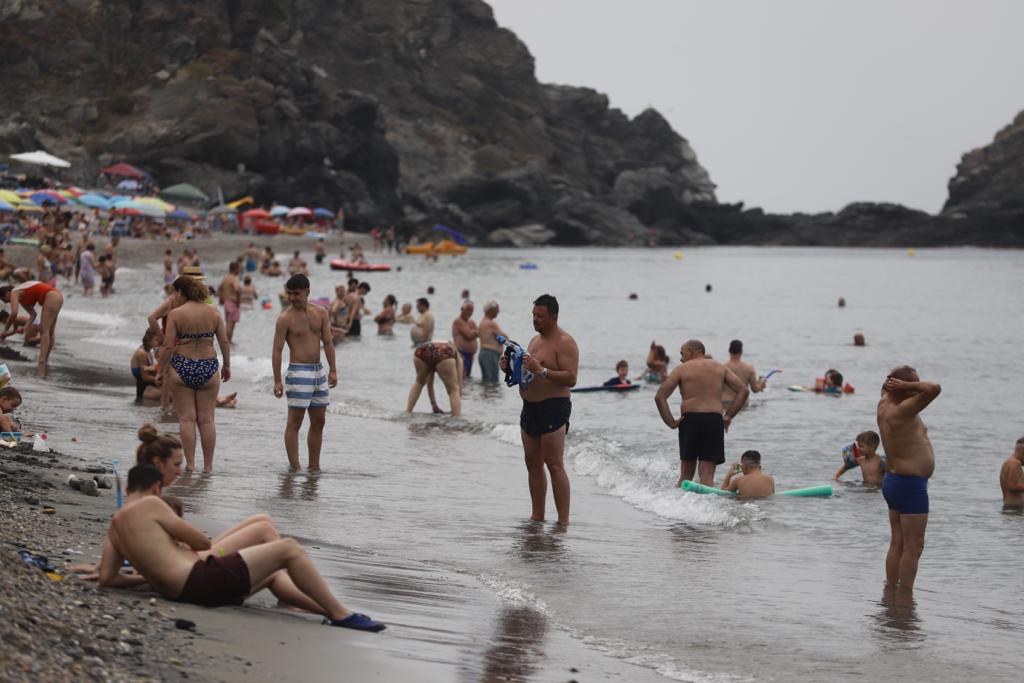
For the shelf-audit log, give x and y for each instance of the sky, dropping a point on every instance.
(797, 105)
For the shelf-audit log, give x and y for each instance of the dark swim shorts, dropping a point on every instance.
(543, 417)
(355, 329)
(702, 437)
(905, 494)
(217, 581)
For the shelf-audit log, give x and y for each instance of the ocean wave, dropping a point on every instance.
(513, 592)
(505, 433)
(98, 319)
(645, 482)
(663, 664)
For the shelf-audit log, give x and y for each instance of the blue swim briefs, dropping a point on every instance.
(906, 495)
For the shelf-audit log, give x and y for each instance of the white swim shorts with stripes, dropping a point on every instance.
(305, 386)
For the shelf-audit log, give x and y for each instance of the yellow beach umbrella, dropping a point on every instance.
(155, 201)
(10, 197)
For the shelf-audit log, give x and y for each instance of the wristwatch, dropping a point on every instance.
(544, 373)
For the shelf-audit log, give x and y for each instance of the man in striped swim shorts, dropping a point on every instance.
(306, 386)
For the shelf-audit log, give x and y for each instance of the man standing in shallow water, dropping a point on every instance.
(549, 372)
(701, 382)
(911, 462)
(1011, 478)
(304, 328)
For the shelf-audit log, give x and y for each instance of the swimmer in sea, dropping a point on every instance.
(745, 371)
(863, 453)
(911, 462)
(490, 349)
(386, 318)
(1011, 478)
(752, 482)
(466, 337)
(622, 375)
(831, 383)
(406, 317)
(657, 364)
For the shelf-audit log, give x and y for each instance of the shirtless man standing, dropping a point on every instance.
(164, 549)
(1011, 478)
(745, 371)
(911, 462)
(304, 328)
(549, 374)
(701, 382)
(230, 293)
(490, 349)
(354, 304)
(423, 330)
(465, 335)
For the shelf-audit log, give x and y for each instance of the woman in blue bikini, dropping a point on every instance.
(188, 350)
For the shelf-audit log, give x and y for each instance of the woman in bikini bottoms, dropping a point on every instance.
(437, 356)
(188, 352)
(28, 295)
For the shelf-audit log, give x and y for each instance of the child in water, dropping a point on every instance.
(249, 294)
(863, 453)
(753, 483)
(622, 367)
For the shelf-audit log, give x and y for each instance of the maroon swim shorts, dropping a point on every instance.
(217, 581)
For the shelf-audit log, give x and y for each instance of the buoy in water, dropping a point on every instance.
(678, 255)
(911, 252)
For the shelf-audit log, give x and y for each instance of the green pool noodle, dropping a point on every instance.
(810, 492)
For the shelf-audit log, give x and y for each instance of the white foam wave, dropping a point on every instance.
(116, 342)
(513, 592)
(257, 369)
(509, 434)
(645, 482)
(663, 664)
(99, 319)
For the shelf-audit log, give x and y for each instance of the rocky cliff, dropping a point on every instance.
(400, 111)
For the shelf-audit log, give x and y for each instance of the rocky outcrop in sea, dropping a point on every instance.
(410, 113)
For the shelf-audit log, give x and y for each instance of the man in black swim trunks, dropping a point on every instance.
(549, 373)
(702, 426)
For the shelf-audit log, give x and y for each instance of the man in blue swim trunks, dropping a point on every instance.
(911, 462)
(304, 328)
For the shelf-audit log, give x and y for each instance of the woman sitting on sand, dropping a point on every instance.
(144, 368)
(439, 357)
(188, 351)
(386, 318)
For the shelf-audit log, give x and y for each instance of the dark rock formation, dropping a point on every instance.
(406, 112)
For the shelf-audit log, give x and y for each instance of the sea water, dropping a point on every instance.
(421, 520)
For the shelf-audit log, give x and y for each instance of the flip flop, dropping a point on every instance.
(357, 621)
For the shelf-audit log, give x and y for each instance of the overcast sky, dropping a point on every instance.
(798, 104)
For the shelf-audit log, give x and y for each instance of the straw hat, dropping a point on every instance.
(194, 272)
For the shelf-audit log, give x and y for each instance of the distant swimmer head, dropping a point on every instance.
(465, 294)
(545, 312)
(858, 340)
(692, 349)
(430, 290)
(833, 378)
(633, 296)
(707, 288)
(842, 302)
(736, 347)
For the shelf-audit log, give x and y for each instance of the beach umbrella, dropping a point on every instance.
(452, 232)
(279, 210)
(126, 211)
(323, 213)
(155, 201)
(299, 211)
(94, 201)
(256, 213)
(41, 158)
(42, 198)
(10, 196)
(220, 210)
(123, 170)
(179, 214)
(184, 192)
(4, 206)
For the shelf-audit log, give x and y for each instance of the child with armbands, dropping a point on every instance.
(863, 453)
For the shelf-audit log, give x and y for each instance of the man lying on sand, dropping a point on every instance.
(148, 534)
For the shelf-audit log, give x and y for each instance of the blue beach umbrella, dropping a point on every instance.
(451, 232)
(42, 198)
(4, 206)
(323, 213)
(94, 201)
(178, 213)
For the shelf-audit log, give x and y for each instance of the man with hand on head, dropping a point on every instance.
(702, 426)
(911, 462)
(1011, 478)
(304, 328)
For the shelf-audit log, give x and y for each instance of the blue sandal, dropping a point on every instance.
(357, 621)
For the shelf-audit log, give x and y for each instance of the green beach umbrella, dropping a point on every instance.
(184, 192)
